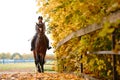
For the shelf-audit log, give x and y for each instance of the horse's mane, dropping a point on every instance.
(40, 25)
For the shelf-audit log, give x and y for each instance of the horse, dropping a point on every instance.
(40, 49)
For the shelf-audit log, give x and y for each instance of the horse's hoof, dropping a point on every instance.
(39, 70)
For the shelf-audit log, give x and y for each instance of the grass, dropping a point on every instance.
(22, 67)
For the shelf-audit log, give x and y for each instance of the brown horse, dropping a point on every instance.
(40, 49)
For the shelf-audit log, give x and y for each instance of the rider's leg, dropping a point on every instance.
(47, 40)
(33, 42)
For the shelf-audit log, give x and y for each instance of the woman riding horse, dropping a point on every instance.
(40, 18)
(39, 44)
(40, 50)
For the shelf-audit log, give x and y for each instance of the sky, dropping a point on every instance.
(17, 25)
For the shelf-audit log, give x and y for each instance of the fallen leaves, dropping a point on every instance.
(39, 76)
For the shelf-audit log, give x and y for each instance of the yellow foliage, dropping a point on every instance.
(66, 16)
(109, 72)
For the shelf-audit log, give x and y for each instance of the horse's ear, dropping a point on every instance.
(37, 24)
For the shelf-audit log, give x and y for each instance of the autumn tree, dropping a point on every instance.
(27, 56)
(50, 57)
(16, 56)
(5, 55)
(66, 16)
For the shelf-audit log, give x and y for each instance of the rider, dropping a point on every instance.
(40, 18)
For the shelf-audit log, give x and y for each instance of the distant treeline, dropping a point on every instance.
(22, 56)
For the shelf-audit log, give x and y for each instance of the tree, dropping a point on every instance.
(3, 56)
(27, 56)
(8, 55)
(50, 57)
(67, 16)
(16, 56)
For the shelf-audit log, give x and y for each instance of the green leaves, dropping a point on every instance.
(107, 29)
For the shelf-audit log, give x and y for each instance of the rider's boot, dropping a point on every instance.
(49, 47)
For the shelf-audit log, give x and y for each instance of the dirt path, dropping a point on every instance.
(30, 74)
(18, 70)
(26, 70)
(38, 76)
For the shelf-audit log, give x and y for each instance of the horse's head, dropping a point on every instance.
(40, 29)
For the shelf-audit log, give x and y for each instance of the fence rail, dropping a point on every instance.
(111, 18)
(6, 61)
(104, 52)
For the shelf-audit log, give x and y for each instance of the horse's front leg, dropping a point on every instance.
(42, 67)
(42, 64)
(37, 64)
(38, 67)
(35, 60)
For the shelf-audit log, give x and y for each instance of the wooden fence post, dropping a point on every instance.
(3, 61)
(81, 65)
(114, 57)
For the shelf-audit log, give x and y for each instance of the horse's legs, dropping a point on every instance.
(35, 59)
(38, 66)
(37, 62)
(42, 63)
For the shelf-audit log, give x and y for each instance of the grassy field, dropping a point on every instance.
(22, 67)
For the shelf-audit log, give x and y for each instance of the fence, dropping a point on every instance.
(6, 61)
(91, 28)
